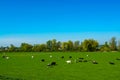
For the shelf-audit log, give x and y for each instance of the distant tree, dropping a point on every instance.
(58, 46)
(106, 44)
(2, 49)
(65, 46)
(113, 44)
(70, 45)
(39, 48)
(49, 45)
(12, 48)
(36, 48)
(81, 47)
(54, 45)
(89, 45)
(42, 47)
(119, 45)
(105, 47)
(76, 45)
(25, 47)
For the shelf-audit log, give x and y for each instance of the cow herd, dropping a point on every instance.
(69, 61)
(78, 60)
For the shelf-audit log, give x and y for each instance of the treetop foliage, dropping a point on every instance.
(88, 45)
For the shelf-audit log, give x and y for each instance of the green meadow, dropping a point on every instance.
(20, 66)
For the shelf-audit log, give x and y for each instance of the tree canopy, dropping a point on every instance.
(88, 45)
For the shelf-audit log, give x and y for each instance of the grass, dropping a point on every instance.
(20, 66)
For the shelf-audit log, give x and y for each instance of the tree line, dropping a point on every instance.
(88, 45)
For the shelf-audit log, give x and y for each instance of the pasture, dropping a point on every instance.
(34, 66)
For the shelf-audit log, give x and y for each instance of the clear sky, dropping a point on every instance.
(36, 21)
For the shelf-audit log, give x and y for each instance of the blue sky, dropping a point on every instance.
(36, 21)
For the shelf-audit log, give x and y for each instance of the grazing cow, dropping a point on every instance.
(94, 62)
(50, 56)
(62, 57)
(111, 63)
(81, 58)
(48, 64)
(32, 57)
(70, 56)
(7, 57)
(42, 60)
(68, 61)
(51, 64)
(4, 56)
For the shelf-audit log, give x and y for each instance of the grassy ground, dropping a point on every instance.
(20, 66)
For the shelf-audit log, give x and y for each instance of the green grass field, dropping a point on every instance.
(20, 66)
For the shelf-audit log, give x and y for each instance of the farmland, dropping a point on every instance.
(20, 66)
